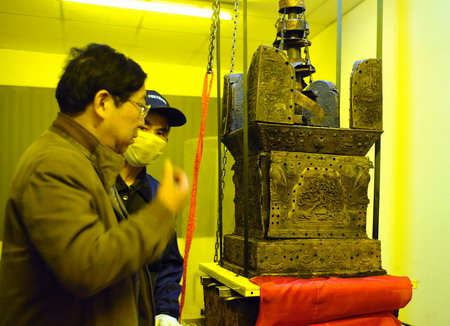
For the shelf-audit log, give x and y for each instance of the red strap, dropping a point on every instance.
(207, 86)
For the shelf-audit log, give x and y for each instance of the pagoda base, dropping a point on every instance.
(304, 258)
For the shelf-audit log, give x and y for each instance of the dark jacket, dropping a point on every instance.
(66, 259)
(167, 271)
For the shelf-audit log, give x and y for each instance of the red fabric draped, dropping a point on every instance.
(380, 319)
(332, 301)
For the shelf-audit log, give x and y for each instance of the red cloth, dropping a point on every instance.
(380, 319)
(288, 301)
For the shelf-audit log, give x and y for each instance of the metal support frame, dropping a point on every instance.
(376, 193)
(219, 143)
(339, 46)
(245, 140)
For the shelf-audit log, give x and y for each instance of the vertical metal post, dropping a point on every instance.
(376, 192)
(219, 143)
(245, 141)
(339, 47)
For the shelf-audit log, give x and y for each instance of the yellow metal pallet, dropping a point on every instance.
(235, 282)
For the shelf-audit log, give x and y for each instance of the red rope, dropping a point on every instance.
(207, 86)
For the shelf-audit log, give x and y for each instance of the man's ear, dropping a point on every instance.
(102, 103)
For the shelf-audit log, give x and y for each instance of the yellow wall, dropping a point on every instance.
(23, 68)
(415, 179)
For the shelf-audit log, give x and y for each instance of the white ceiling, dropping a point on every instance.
(52, 26)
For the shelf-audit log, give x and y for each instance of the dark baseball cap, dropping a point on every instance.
(159, 105)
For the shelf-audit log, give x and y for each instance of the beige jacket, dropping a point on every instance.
(66, 259)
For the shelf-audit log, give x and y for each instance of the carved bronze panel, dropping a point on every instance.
(271, 80)
(318, 196)
(327, 98)
(265, 137)
(232, 114)
(366, 98)
(300, 195)
(258, 202)
(305, 257)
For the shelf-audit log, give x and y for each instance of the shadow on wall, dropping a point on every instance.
(207, 189)
(25, 113)
(203, 244)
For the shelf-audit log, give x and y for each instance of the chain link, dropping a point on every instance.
(212, 42)
(213, 32)
(222, 187)
(233, 39)
(225, 150)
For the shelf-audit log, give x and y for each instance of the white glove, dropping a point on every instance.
(166, 320)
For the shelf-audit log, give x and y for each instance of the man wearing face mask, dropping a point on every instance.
(136, 188)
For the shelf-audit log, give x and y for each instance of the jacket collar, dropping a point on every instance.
(106, 162)
(142, 184)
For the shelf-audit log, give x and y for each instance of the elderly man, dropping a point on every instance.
(71, 254)
(136, 188)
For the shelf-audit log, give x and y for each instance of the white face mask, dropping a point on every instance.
(145, 149)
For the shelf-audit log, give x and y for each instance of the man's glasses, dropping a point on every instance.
(141, 107)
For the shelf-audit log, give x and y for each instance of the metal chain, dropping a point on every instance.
(222, 186)
(224, 170)
(212, 38)
(225, 150)
(233, 39)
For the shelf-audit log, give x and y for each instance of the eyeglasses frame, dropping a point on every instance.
(142, 107)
